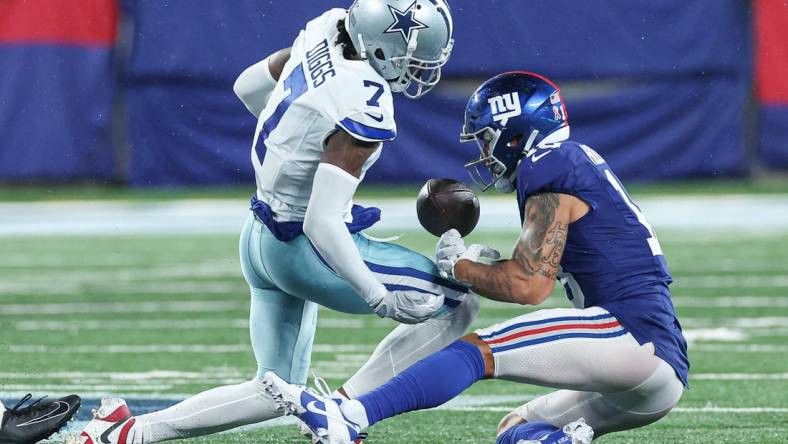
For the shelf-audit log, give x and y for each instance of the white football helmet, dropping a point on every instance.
(406, 41)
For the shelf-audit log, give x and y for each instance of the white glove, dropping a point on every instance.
(451, 248)
(407, 307)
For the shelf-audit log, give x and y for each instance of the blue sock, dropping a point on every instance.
(427, 383)
(529, 431)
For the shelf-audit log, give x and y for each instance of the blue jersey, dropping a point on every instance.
(612, 258)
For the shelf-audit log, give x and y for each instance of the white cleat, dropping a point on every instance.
(320, 414)
(306, 432)
(111, 424)
(579, 431)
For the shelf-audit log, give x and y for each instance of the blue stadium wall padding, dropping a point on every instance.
(662, 130)
(189, 134)
(774, 136)
(572, 39)
(55, 104)
(634, 127)
(56, 90)
(185, 123)
(203, 41)
(668, 83)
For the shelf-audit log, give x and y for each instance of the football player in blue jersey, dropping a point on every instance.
(618, 357)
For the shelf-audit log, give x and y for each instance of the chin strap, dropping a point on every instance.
(362, 51)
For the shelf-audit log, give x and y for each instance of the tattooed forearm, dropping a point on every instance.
(553, 247)
(541, 244)
(491, 281)
(538, 253)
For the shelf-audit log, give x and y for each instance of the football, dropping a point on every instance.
(444, 204)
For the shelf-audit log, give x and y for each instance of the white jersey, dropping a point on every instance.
(318, 93)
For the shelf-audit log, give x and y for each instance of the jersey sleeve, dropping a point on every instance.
(362, 107)
(545, 170)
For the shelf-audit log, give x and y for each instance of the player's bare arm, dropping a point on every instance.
(529, 276)
(277, 61)
(256, 82)
(347, 152)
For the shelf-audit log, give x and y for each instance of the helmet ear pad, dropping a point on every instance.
(531, 128)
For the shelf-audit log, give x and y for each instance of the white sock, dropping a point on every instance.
(407, 344)
(354, 411)
(212, 411)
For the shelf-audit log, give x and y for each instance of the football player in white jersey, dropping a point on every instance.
(324, 109)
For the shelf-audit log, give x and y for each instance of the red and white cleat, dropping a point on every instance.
(111, 424)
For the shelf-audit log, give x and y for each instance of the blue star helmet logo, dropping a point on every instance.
(404, 22)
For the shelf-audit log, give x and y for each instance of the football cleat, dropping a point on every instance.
(320, 414)
(111, 424)
(322, 388)
(306, 432)
(578, 431)
(39, 420)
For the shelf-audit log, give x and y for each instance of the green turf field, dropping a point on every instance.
(159, 316)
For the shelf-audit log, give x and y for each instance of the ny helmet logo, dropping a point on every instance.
(505, 106)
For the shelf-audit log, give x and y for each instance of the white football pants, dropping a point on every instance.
(607, 377)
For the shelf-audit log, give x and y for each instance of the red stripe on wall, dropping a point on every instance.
(771, 51)
(70, 22)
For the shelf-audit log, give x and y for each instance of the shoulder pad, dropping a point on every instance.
(541, 169)
(327, 20)
(361, 105)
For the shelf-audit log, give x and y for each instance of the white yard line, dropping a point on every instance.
(225, 374)
(743, 213)
(122, 307)
(107, 388)
(172, 397)
(219, 269)
(68, 287)
(740, 348)
(166, 324)
(747, 322)
(730, 410)
(730, 301)
(466, 403)
(174, 348)
(740, 376)
(65, 259)
(693, 330)
(131, 349)
(230, 304)
(318, 348)
(728, 281)
(675, 410)
(721, 334)
(126, 376)
(689, 301)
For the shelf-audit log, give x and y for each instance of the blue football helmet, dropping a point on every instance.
(509, 116)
